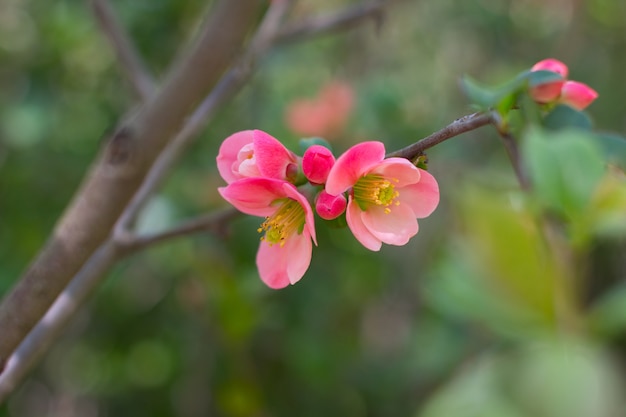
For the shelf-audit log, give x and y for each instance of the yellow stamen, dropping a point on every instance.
(374, 189)
(287, 220)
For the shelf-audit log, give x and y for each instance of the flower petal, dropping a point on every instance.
(401, 170)
(228, 153)
(272, 158)
(280, 266)
(292, 192)
(254, 196)
(394, 228)
(352, 165)
(354, 217)
(422, 197)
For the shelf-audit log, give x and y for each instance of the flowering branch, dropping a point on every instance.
(127, 56)
(119, 161)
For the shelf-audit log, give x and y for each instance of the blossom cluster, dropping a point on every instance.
(380, 198)
(573, 93)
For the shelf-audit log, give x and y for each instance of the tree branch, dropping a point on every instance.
(462, 125)
(322, 25)
(127, 56)
(120, 169)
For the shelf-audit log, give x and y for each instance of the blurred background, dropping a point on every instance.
(474, 317)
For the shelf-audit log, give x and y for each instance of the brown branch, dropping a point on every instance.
(121, 168)
(462, 125)
(127, 56)
(47, 330)
(229, 85)
(214, 222)
(322, 25)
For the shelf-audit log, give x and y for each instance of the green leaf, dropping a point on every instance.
(535, 78)
(563, 116)
(614, 147)
(483, 97)
(565, 169)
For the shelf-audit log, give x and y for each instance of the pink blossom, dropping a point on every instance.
(551, 64)
(324, 115)
(285, 251)
(385, 196)
(254, 153)
(573, 93)
(316, 163)
(328, 206)
(550, 91)
(578, 95)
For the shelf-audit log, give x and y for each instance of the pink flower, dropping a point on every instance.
(328, 206)
(572, 93)
(316, 163)
(285, 251)
(545, 93)
(385, 196)
(254, 153)
(325, 115)
(578, 95)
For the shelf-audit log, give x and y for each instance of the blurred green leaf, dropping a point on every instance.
(565, 169)
(614, 147)
(563, 117)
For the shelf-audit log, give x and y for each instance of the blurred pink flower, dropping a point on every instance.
(573, 93)
(545, 93)
(316, 163)
(385, 196)
(578, 95)
(324, 116)
(284, 254)
(254, 153)
(328, 206)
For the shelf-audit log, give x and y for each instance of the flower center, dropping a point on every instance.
(287, 220)
(374, 189)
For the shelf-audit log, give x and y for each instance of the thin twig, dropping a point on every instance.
(462, 125)
(332, 23)
(213, 222)
(127, 55)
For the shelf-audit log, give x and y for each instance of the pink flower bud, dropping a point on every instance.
(330, 206)
(545, 93)
(553, 65)
(578, 95)
(316, 163)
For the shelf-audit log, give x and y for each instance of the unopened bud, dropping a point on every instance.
(316, 163)
(578, 95)
(330, 206)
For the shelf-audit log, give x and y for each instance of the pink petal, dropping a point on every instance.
(551, 64)
(292, 192)
(352, 165)
(357, 227)
(272, 158)
(228, 153)
(395, 228)
(422, 197)
(578, 95)
(398, 169)
(545, 93)
(280, 266)
(254, 196)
